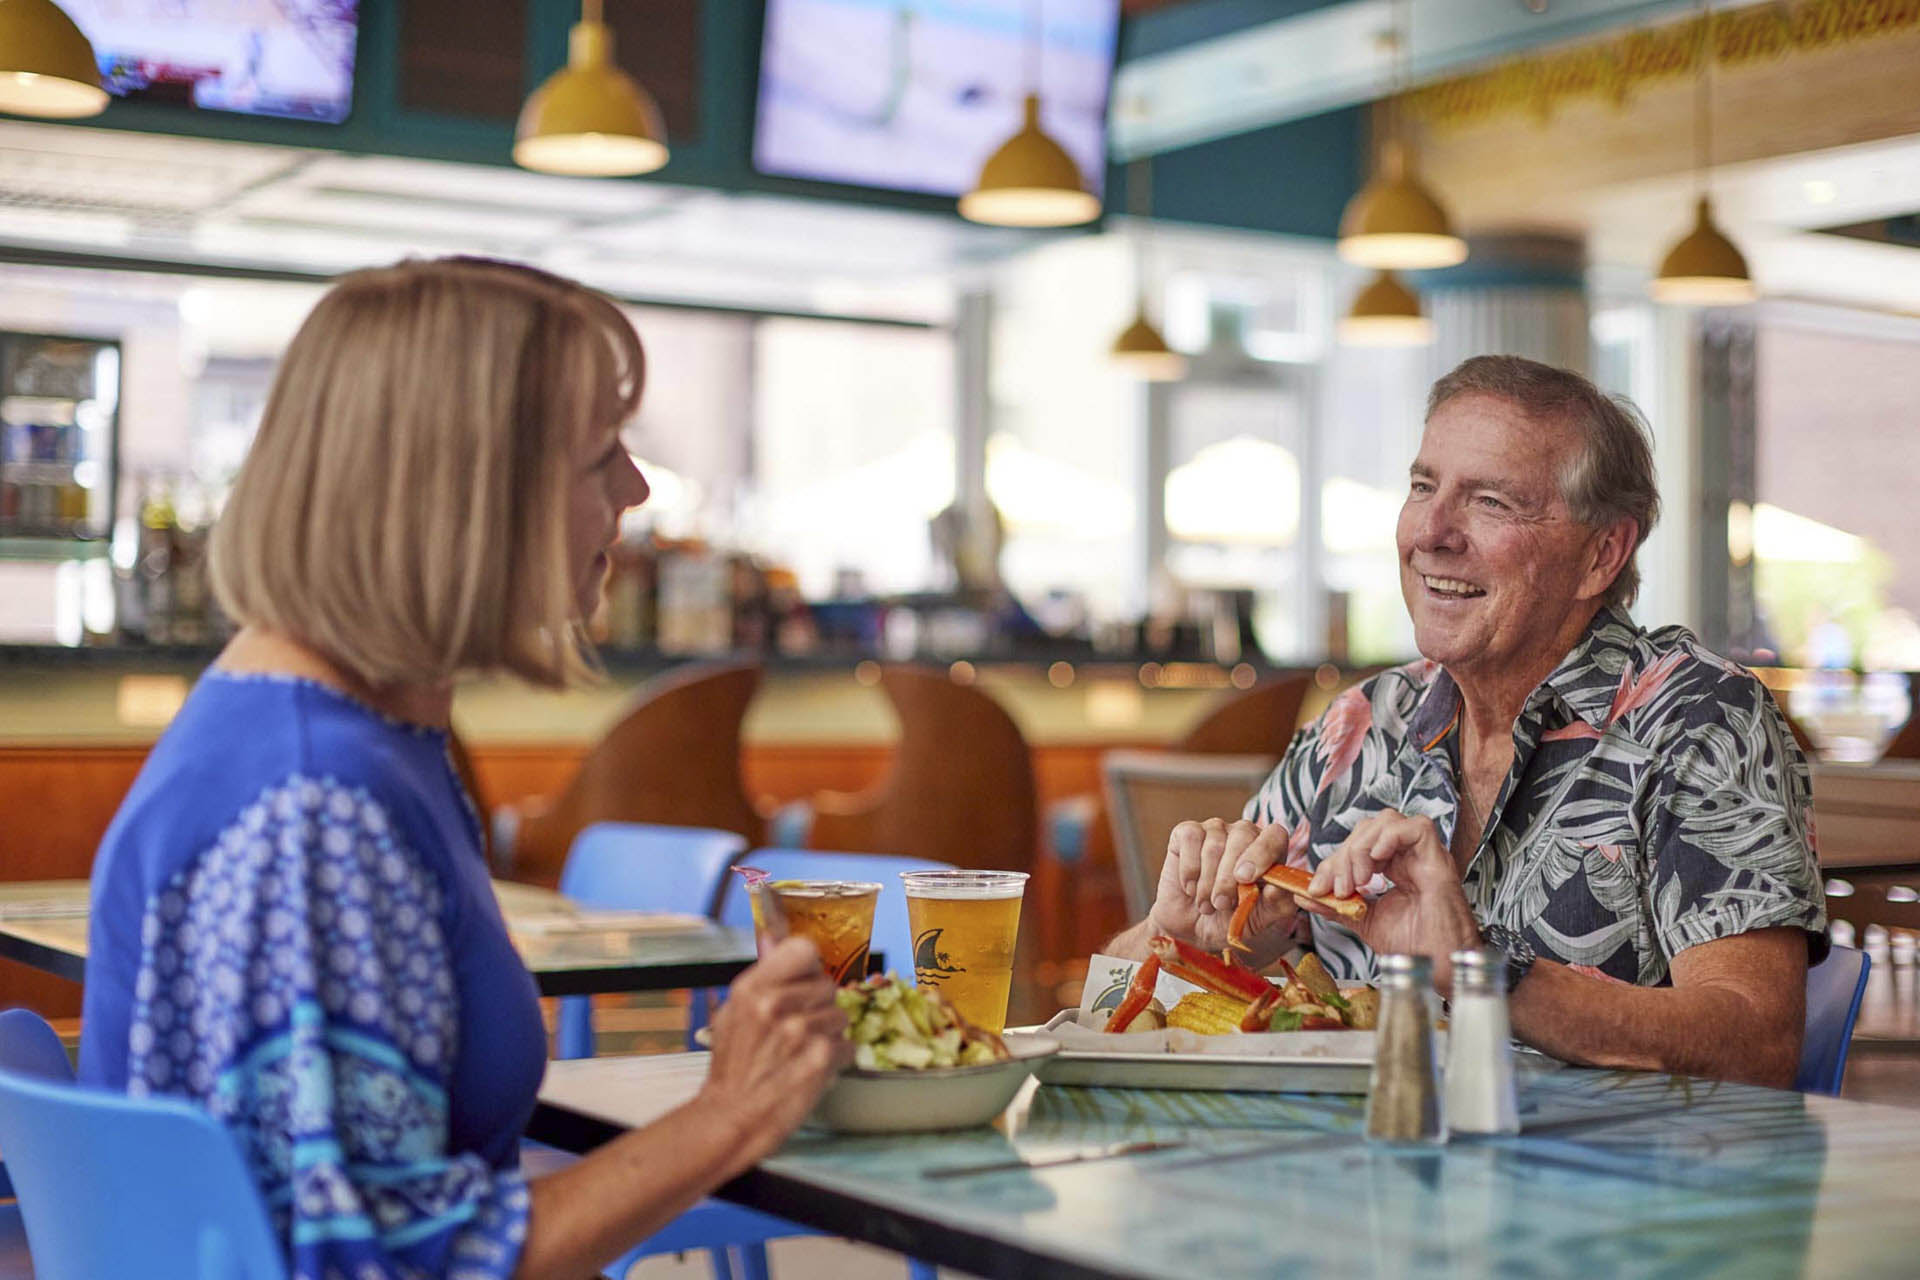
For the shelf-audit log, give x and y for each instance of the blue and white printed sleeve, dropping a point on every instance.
(295, 979)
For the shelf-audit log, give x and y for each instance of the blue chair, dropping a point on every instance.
(120, 1186)
(1835, 987)
(892, 934)
(29, 1045)
(634, 866)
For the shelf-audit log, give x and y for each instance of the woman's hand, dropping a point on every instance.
(777, 1043)
(1200, 881)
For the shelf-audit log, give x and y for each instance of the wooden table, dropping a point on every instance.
(1615, 1174)
(43, 923)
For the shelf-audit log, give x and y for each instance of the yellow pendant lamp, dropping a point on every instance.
(47, 67)
(1140, 351)
(1030, 181)
(1395, 223)
(590, 119)
(1386, 314)
(1704, 269)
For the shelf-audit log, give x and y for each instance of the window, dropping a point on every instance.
(852, 452)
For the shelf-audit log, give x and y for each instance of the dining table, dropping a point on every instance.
(569, 949)
(1613, 1173)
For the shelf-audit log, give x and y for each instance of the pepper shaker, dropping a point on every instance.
(1403, 1090)
(1481, 1097)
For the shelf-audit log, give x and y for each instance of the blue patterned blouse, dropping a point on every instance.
(293, 925)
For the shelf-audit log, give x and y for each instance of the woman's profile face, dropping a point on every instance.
(605, 483)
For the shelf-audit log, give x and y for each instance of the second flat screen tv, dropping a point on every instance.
(914, 95)
(291, 58)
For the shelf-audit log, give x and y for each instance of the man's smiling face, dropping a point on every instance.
(1491, 561)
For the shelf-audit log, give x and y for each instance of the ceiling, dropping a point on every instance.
(1280, 60)
(1779, 211)
(240, 205)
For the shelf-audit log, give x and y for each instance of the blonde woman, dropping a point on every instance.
(292, 921)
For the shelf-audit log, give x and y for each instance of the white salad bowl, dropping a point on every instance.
(903, 1100)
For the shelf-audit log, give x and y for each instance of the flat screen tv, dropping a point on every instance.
(914, 95)
(291, 58)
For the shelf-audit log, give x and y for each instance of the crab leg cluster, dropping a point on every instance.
(1222, 976)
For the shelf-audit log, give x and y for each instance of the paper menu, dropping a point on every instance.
(1107, 980)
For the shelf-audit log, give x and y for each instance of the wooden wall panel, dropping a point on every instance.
(56, 802)
(777, 773)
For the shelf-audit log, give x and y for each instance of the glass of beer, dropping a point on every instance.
(836, 914)
(964, 927)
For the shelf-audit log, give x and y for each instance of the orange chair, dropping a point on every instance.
(1079, 834)
(960, 788)
(1260, 721)
(673, 759)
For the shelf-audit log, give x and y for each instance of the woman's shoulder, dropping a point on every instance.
(259, 749)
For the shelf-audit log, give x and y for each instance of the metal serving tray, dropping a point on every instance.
(1264, 1073)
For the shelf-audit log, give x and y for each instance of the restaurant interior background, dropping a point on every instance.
(877, 431)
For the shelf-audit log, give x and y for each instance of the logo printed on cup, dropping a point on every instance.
(930, 964)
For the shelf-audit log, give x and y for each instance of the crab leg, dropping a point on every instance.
(1204, 969)
(1293, 880)
(1237, 926)
(1139, 993)
(1259, 1015)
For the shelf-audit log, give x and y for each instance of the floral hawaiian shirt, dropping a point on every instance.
(1656, 801)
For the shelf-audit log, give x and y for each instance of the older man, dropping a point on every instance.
(1621, 812)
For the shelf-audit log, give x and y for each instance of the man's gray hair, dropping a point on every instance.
(1610, 478)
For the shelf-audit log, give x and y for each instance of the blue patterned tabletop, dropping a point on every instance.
(1615, 1174)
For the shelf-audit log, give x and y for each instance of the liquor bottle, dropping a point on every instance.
(153, 566)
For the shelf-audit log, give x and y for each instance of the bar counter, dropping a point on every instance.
(52, 695)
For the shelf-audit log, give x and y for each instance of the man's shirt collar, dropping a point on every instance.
(1589, 676)
(1584, 683)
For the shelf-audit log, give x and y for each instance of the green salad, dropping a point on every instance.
(893, 1024)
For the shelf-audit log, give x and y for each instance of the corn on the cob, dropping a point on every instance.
(1207, 1013)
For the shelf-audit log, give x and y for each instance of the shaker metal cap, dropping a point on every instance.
(1479, 969)
(1405, 971)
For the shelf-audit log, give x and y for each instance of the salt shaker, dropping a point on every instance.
(1480, 1089)
(1403, 1091)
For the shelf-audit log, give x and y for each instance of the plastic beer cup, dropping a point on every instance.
(964, 926)
(836, 914)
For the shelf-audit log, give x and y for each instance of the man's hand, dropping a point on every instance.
(1200, 881)
(1425, 913)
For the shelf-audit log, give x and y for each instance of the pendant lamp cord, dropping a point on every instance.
(1140, 213)
(1703, 100)
(590, 11)
(1402, 35)
(1036, 36)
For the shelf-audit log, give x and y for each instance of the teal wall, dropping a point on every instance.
(1293, 178)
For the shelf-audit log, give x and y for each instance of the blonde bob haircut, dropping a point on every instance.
(403, 509)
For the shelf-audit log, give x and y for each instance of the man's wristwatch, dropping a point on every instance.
(1514, 946)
